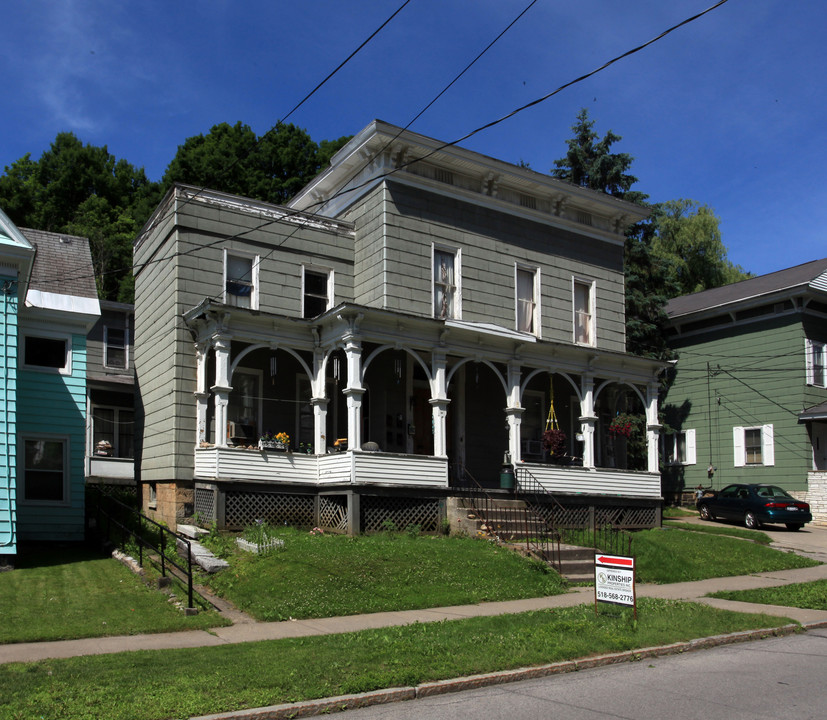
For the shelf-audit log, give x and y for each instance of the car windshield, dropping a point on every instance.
(773, 491)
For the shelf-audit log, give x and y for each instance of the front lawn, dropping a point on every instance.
(182, 683)
(669, 555)
(810, 596)
(67, 593)
(329, 575)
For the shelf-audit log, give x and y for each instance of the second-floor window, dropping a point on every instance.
(446, 291)
(753, 445)
(114, 349)
(317, 292)
(527, 315)
(583, 312)
(815, 363)
(113, 432)
(48, 353)
(240, 273)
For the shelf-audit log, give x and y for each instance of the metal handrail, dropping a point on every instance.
(539, 541)
(144, 539)
(606, 538)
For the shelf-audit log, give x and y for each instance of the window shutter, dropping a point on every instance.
(691, 457)
(808, 359)
(738, 445)
(767, 445)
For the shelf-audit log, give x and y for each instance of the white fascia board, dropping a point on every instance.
(87, 310)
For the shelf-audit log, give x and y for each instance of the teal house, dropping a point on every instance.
(50, 305)
(749, 397)
(16, 257)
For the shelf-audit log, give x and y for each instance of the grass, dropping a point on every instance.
(73, 593)
(198, 681)
(673, 511)
(331, 575)
(810, 595)
(669, 556)
(755, 535)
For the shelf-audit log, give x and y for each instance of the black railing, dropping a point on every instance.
(508, 523)
(119, 523)
(603, 537)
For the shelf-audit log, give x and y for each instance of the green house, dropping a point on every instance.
(749, 398)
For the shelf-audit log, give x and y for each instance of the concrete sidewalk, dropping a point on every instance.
(251, 632)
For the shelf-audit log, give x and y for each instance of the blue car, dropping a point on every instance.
(755, 505)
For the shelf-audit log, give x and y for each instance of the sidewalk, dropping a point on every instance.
(251, 632)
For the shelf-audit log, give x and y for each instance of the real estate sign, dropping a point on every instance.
(614, 580)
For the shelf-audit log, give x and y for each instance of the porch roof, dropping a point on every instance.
(816, 412)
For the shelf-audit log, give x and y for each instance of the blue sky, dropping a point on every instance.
(729, 110)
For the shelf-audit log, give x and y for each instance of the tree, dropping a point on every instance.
(688, 238)
(231, 158)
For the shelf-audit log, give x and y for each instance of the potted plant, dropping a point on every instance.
(279, 441)
(623, 425)
(555, 443)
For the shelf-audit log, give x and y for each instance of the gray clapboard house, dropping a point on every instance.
(414, 314)
(749, 399)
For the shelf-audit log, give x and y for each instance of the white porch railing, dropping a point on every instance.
(217, 463)
(598, 481)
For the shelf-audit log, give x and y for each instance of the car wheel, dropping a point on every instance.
(751, 521)
(705, 513)
(794, 526)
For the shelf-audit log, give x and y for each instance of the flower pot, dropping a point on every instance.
(274, 445)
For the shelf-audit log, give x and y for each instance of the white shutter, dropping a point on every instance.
(808, 359)
(767, 445)
(738, 445)
(691, 458)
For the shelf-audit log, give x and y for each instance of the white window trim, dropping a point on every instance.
(457, 253)
(767, 445)
(535, 271)
(256, 261)
(670, 446)
(66, 369)
(106, 364)
(575, 281)
(330, 284)
(809, 353)
(67, 470)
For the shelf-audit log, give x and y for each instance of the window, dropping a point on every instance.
(527, 306)
(44, 477)
(51, 353)
(753, 446)
(583, 312)
(113, 432)
(240, 280)
(679, 448)
(446, 289)
(815, 363)
(317, 292)
(115, 341)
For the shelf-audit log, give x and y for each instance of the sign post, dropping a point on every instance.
(614, 580)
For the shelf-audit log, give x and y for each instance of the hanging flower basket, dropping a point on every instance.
(556, 442)
(623, 426)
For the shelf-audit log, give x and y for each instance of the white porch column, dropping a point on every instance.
(319, 402)
(439, 403)
(354, 392)
(652, 426)
(514, 411)
(587, 419)
(222, 388)
(201, 394)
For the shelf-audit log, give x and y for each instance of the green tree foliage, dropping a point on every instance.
(688, 239)
(83, 190)
(231, 158)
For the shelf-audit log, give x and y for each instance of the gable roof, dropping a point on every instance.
(811, 275)
(62, 265)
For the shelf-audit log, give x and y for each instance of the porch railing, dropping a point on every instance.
(120, 524)
(603, 537)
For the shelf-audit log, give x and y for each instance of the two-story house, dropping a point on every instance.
(418, 313)
(61, 305)
(749, 399)
(110, 377)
